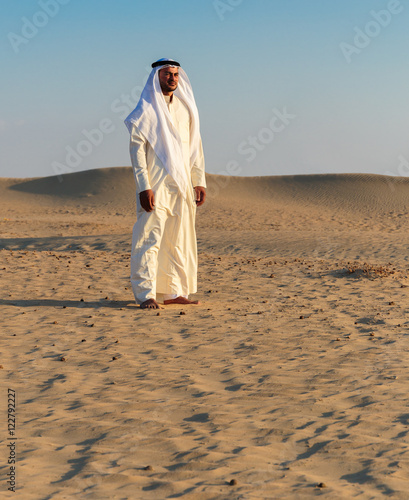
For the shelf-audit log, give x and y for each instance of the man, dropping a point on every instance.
(168, 165)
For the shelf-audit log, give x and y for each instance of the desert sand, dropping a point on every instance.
(288, 381)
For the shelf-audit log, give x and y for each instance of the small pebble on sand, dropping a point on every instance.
(233, 482)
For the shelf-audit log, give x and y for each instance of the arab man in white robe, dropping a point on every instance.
(168, 165)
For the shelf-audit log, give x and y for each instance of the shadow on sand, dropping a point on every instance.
(63, 304)
(101, 242)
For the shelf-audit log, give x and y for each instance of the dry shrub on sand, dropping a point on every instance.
(370, 270)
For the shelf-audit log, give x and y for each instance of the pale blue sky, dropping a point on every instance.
(347, 105)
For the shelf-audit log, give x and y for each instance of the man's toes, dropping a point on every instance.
(149, 304)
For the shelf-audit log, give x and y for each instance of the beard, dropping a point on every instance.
(168, 87)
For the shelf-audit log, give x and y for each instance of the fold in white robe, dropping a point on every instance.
(164, 251)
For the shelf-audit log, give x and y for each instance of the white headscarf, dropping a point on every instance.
(152, 117)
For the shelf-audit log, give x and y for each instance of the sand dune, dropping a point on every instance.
(290, 377)
(357, 192)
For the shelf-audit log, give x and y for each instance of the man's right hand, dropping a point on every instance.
(147, 199)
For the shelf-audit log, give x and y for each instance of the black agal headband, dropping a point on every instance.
(165, 63)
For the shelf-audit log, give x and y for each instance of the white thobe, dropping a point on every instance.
(164, 251)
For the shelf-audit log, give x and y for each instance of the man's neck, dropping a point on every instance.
(169, 96)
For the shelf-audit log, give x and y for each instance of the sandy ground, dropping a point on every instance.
(289, 380)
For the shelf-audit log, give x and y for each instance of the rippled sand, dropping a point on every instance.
(289, 380)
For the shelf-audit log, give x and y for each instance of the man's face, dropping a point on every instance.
(168, 79)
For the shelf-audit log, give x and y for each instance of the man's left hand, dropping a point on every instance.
(200, 195)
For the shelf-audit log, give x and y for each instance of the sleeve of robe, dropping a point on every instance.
(137, 149)
(198, 169)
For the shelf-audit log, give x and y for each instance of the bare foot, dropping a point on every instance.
(180, 300)
(150, 304)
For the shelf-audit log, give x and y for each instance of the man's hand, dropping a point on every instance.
(147, 199)
(200, 195)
